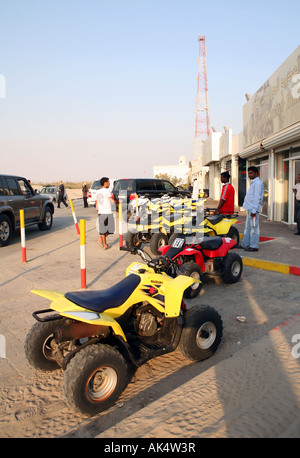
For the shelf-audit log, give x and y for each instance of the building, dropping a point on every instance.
(220, 153)
(179, 171)
(271, 137)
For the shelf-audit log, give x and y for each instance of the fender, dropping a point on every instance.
(189, 251)
(174, 294)
(227, 245)
(164, 249)
(70, 310)
(223, 226)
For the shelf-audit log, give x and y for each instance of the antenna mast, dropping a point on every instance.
(202, 128)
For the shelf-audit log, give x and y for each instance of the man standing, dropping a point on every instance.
(252, 203)
(61, 195)
(296, 190)
(106, 220)
(85, 195)
(195, 194)
(226, 204)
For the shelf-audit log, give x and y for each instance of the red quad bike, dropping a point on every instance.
(210, 256)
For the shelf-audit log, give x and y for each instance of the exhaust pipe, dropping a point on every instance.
(76, 331)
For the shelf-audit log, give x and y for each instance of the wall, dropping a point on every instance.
(274, 106)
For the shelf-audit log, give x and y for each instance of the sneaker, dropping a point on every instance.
(251, 249)
(297, 233)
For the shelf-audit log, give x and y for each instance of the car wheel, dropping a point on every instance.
(46, 223)
(5, 230)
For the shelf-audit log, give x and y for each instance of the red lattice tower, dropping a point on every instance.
(202, 129)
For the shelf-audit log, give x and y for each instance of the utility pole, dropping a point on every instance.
(202, 128)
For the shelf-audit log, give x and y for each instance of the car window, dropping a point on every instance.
(96, 185)
(13, 189)
(3, 187)
(124, 185)
(25, 189)
(145, 185)
(168, 186)
(159, 185)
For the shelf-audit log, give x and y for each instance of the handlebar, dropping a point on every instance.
(211, 212)
(159, 263)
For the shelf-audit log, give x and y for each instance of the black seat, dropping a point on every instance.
(98, 301)
(215, 219)
(211, 243)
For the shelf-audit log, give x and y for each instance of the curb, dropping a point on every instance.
(270, 265)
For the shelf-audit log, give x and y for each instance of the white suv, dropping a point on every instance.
(91, 200)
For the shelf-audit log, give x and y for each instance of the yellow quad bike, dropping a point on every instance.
(221, 225)
(157, 221)
(99, 337)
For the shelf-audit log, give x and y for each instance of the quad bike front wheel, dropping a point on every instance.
(202, 333)
(191, 269)
(133, 240)
(94, 379)
(158, 240)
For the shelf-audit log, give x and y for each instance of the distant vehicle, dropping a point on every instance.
(91, 200)
(146, 187)
(17, 194)
(50, 191)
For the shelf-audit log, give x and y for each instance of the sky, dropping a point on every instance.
(108, 88)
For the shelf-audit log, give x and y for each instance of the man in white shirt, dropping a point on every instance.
(296, 190)
(195, 194)
(106, 220)
(252, 203)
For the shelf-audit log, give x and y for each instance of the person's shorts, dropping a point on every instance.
(106, 224)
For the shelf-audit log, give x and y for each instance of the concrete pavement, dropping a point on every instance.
(32, 404)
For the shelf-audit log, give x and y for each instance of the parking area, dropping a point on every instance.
(32, 403)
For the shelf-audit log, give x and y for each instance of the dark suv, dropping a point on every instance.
(146, 187)
(17, 194)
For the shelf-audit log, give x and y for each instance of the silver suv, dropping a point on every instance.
(17, 194)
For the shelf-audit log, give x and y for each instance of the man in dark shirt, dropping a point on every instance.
(61, 195)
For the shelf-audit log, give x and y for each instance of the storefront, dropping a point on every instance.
(271, 138)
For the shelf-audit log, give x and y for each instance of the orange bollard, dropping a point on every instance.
(82, 254)
(22, 227)
(120, 225)
(74, 217)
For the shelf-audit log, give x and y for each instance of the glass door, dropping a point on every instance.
(296, 172)
(285, 192)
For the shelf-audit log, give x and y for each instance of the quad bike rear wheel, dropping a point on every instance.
(234, 234)
(94, 379)
(233, 268)
(38, 349)
(202, 333)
